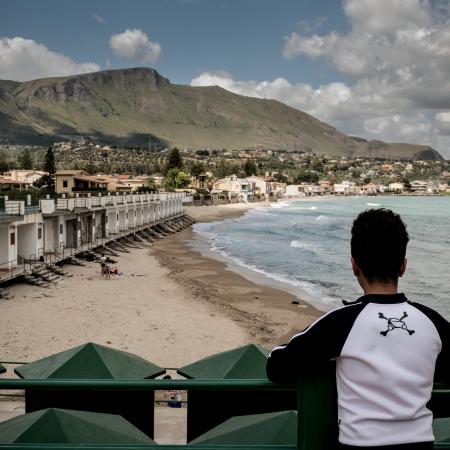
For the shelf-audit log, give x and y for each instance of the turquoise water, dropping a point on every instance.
(304, 246)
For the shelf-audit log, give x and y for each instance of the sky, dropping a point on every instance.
(379, 69)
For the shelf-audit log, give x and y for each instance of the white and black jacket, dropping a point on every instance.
(388, 351)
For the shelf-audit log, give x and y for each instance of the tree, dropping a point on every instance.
(280, 177)
(47, 181)
(25, 160)
(176, 179)
(306, 177)
(49, 162)
(149, 186)
(174, 160)
(4, 166)
(249, 168)
(221, 169)
(197, 169)
(407, 184)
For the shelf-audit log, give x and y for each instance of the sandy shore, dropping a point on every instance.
(172, 306)
(144, 312)
(269, 315)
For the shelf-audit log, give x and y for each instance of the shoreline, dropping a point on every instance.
(267, 312)
(172, 306)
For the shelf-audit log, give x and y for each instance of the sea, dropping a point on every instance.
(303, 247)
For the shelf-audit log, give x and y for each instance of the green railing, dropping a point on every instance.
(316, 404)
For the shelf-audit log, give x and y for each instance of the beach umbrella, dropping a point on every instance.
(90, 361)
(2, 369)
(64, 426)
(94, 361)
(441, 430)
(246, 362)
(279, 428)
(207, 409)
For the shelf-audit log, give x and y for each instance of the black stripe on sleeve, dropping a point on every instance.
(442, 372)
(320, 342)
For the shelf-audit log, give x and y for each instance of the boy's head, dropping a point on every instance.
(378, 245)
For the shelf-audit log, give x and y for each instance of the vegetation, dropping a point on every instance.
(176, 179)
(174, 160)
(109, 108)
(149, 186)
(25, 160)
(47, 182)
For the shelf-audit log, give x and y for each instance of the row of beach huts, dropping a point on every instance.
(57, 229)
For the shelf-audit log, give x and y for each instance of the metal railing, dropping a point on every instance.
(316, 407)
(11, 269)
(10, 209)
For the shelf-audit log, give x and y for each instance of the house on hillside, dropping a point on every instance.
(71, 182)
(24, 176)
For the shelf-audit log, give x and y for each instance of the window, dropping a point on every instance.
(61, 228)
(13, 238)
(65, 183)
(39, 233)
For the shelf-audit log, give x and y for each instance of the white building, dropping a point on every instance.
(345, 188)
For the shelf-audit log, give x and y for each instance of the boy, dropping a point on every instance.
(388, 350)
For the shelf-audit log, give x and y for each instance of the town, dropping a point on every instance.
(215, 176)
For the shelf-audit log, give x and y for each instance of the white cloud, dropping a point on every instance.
(98, 18)
(397, 54)
(443, 123)
(313, 46)
(357, 111)
(135, 44)
(25, 59)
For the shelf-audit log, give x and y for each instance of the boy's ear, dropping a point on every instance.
(355, 268)
(403, 268)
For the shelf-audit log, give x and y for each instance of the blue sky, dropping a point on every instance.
(243, 37)
(376, 69)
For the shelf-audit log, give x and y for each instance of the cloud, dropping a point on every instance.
(135, 44)
(443, 123)
(24, 59)
(357, 111)
(98, 18)
(396, 56)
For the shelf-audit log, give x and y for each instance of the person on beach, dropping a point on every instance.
(388, 350)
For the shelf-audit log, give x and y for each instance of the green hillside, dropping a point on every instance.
(138, 106)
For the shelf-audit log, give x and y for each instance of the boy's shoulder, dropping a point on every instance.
(440, 322)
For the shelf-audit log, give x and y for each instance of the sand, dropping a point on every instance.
(172, 306)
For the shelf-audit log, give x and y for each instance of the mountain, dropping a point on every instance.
(138, 106)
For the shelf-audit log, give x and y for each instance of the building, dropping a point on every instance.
(397, 187)
(71, 182)
(345, 188)
(59, 228)
(241, 187)
(24, 176)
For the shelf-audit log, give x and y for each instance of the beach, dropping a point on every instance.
(171, 306)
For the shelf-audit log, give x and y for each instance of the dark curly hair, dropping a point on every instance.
(378, 244)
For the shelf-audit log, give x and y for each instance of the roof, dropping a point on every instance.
(65, 426)
(68, 172)
(90, 361)
(247, 362)
(91, 179)
(278, 428)
(7, 181)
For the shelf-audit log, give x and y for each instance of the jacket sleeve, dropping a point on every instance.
(308, 350)
(442, 371)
